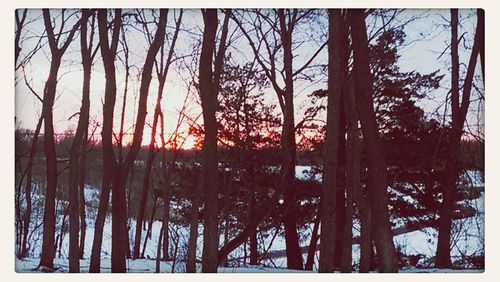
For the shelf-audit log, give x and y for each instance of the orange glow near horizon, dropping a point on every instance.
(185, 142)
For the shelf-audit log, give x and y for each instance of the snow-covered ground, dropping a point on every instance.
(149, 266)
(468, 240)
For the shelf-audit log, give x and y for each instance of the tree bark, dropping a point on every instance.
(373, 144)
(208, 93)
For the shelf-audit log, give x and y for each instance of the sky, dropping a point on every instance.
(427, 38)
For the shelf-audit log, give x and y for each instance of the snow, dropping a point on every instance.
(149, 266)
(468, 240)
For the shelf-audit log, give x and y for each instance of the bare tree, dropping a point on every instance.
(162, 69)
(80, 138)
(210, 70)
(279, 37)
(459, 109)
(20, 22)
(108, 53)
(54, 39)
(120, 174)
(373, 143)
(337, 75)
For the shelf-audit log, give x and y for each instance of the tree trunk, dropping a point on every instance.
(373, 144)
(120, 171)
(29, 178)
(449, 186)
(108, 53)
(353, 185)
(193, 231)
(337, 66)
(254, 250)
(150, 226)
(288, 147)
(166, 219)
(49, 217)
(208, 95)
(83, 220)
(147, 173)
(459, 111)
(311, 252)
(75, 153)
(342, 204)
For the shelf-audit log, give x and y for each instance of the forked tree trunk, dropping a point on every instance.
(108, 53)
(162, 75)
(119, 244)
(337, 67)
(49, 216)
(459, 109)
(75, 152)
(373, 144)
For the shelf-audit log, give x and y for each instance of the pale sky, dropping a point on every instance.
(421, 55)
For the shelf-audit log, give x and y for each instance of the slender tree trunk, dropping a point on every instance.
(311, 252)
(147, 173)
(75, 152)
(341, 194)
(150, 226)
(353, 185)
(81, 185)
(346, 248)
(374, 147)
(108, 52)
(166, 172)
(288, 147)
(146, 181)
(354, 150)
(62, 232)
(337, 66)
(166, 220)
(49, 217)
(120, 171)
(208, 93)
(19, 27)
(158, 252)
(254, 250)
(29, 180)
(193, 223)
(443, 259)
(459, 109)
